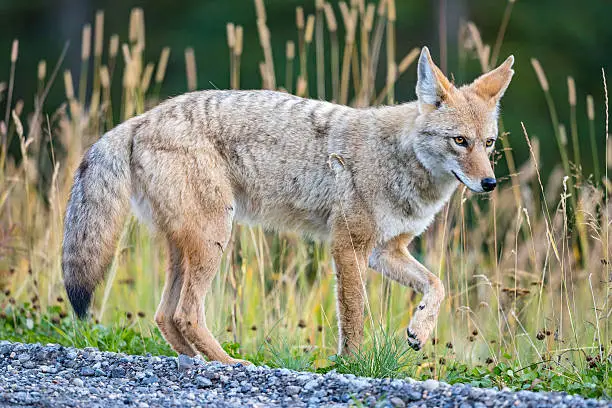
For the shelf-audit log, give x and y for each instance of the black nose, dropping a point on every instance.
(488, 184)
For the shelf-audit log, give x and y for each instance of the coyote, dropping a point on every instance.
(368, 180)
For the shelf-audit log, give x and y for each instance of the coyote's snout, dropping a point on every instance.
(200, 161)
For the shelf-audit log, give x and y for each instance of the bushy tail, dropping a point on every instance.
(96, 212)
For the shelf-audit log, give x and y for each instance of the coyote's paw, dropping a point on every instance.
(422, 325)
(413, 340)
(234, 361)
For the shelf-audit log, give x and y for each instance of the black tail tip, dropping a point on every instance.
(80, 298)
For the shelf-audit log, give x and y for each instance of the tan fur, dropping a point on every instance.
(393, 260)
(164, 317)
(353, 239)
(368, 180)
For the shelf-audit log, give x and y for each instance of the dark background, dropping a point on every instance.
(569, 37)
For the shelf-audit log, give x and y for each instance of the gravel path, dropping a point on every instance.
(52, 375)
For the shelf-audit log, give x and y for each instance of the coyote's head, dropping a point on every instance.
(457, 127)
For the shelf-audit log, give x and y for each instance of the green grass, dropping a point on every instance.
(384, 356)
(280, 354)
(128, 334)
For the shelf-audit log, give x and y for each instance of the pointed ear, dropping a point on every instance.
(492, 85)
(433, 87)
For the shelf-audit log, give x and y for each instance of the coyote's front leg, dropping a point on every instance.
(395, 262)
(350, 252)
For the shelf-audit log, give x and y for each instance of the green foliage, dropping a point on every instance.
(281, 354)
(234, 350)
(386, 356)
(25, 324)
(592, 381)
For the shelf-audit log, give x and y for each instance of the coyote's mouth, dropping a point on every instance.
(475, 190)
(455, 174)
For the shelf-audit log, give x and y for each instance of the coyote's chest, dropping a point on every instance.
(412, 217)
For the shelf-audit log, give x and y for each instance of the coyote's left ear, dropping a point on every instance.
(492, 85)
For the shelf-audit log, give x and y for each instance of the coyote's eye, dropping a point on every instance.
(460, 140)
(490, 142)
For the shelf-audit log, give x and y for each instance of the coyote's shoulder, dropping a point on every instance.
(369, 180)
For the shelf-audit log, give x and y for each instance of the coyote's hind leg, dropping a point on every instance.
(203, 252)
(192, 204)
(169, 301)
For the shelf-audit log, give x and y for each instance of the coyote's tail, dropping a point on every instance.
(96, 212)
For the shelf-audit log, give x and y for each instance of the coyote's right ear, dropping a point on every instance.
(433, 87)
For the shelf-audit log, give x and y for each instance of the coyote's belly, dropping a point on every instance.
(308, 217)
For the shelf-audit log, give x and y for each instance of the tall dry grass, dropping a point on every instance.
(526, 269)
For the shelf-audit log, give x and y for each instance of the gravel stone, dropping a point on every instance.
(185, 362)
(293, 389)
(29, 365)
(23, 357)
(117, 372)
(152, 379)
(431, 385)
(54, 376)
(87, 371)
(311, 385)
(202, 382)
(415, 395)
(397, 402)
